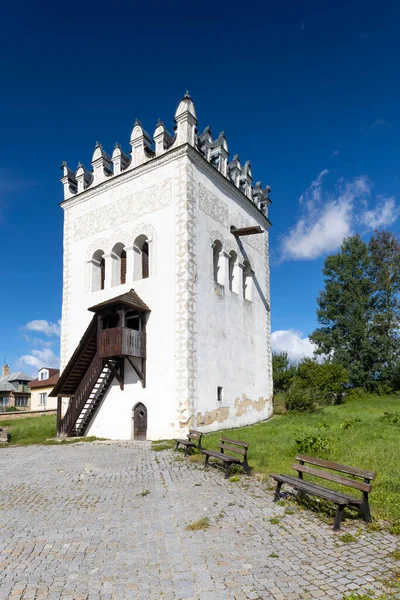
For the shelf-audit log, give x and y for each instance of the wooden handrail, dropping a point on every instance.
(78, 401)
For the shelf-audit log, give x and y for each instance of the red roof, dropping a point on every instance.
(51, 381)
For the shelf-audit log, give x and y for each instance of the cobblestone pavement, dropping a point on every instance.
(76, 523)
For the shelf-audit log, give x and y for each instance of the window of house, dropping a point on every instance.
(21, 401)
(4, 401)
(43, 375)
(220, 393)
(43, 399)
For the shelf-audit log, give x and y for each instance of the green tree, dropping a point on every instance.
(345, 311)
(384, 271)
(283, 371)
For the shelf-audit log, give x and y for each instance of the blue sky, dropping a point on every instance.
(307, 91)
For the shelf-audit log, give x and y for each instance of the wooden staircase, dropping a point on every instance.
(88, 396)
(109, 340)
(94, 399)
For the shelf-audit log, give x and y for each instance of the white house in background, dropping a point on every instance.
(41, 387)
(167, 247)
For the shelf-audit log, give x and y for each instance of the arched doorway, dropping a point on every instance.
(139, 415)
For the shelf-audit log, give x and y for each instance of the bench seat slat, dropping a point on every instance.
(185, 442)
(317, 490)
(358, 485)
(242, 451)
(319, 462)
(223, 457)
(237, 442)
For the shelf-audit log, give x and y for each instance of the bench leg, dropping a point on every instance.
(186, 450)
(227, 467)
(365, 508)
(338, 517)
(246, 467)
(206, 461)
(177, 446)
(277, 494)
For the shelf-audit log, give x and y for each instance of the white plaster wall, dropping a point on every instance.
(51, 402)
(233, 349)
(113, 419)
(94, 225)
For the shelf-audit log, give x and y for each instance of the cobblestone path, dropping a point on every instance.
(75, 525)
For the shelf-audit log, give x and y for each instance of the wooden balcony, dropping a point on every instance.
(121, 341)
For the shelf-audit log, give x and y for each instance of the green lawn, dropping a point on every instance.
(31, 430)
(372, 444)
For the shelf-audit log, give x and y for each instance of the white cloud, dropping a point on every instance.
(385, 213)
(292, 342)
(43, 326)
(380, 123)
(335, 153)
(326, 218)
(39, 359)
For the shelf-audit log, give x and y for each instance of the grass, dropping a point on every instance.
(347, 538)
(371, 443)
(37, 430)
(31, 430)
(203, 523)
(160, 445)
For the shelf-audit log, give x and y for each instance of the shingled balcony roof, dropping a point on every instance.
(129, 299)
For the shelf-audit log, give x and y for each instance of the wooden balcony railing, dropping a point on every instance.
(121, 341)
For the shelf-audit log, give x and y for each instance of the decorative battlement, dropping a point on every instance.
(144, 150)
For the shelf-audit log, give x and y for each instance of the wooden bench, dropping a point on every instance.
(232, 446)
(192, 437)
(342, 500)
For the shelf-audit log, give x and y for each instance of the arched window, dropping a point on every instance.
(247, 280)
(123, 266)
(217, 265)
(142, 257)
(118, 256)
(233, 272)
(145, 260)
(98, 271)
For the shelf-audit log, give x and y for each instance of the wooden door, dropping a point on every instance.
(139, 422)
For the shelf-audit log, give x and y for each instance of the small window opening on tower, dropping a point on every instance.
(220, 393)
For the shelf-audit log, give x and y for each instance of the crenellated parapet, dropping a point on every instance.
(145, 149)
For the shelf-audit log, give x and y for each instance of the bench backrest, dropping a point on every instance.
(194, 435)
(233, 446)
(363, 486)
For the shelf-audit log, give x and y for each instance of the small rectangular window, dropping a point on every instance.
(43, 399)
(220, 393)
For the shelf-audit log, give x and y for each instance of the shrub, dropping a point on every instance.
(11, 409)
(349, 423)
(299, 399)
(391, 418)
(327, 379)
(312, 442)
(354, 393)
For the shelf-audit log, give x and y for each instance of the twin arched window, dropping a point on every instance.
(234, 268)
(122, 267)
